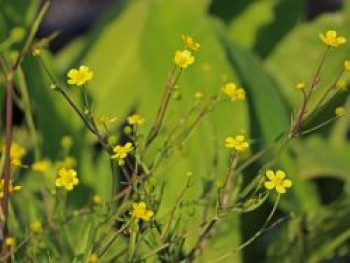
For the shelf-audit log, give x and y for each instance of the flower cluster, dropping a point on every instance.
(233, 92)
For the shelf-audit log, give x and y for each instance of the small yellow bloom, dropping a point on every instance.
(190, 43)
(37, 51)
(330, 38)
(347, 65)
(140, 211)
(17, 34)
(198, 95)
(121, 152)
(93, 258)
(106, 120)
(235, 94)
(341, 85)
(79, 76)
(17, 152)
(97, 199)
(36, 228)
(340, 111)
(41, 166)
(10, 242)
(183, 58)
(300, 85)
(67, 179)
(237, 143)
(136, 119)
(277, 181)
(66, 142)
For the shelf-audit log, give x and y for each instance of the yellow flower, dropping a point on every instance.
(237, 143)
(121, 152)
(41, 166)
(277, 181)
(198, 95)
(66, 142)
(235, 94)
(183, 58)
(10, 242)
(93, 258)
(36, 228)
(347, 65)
(330, 39)
(341, 85)
(106, 120)
(17, 152)
(97, 199)
(136, 119)
(37, 51)
(79, 76)
(17, 34)
(67, 178)
(340, 111)
(190, 43)
(12, 188)
(140, 211)
(300, 85)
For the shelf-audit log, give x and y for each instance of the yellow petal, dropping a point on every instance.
(287, 183)
(280, 189)
(280, 174)
(341, 40)
(269, 185)
(270, 174)
(142, 205)
(331, 34)
(72, 73)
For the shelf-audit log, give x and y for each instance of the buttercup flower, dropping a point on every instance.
(79, 76)
(277, 181)
(190, 43)
(235, 94)
(237, 143)
(330, 38)
(17, 34)
(121, 152)
(36, 228)
(41, 166)
(106, 120)
(37, 51)
(67, 179)
(300, 85)
(347, 65)
(140, 211)
(340, 111)
(183, 58)
(10, 242)
(341, 85)
(97, 199)
(136, 119)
